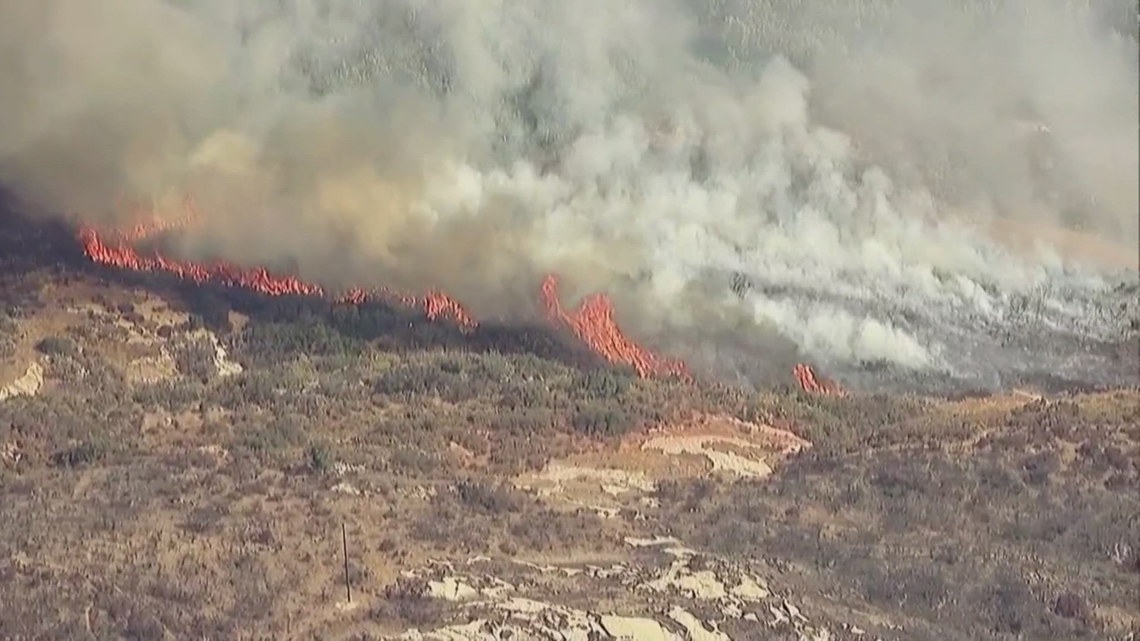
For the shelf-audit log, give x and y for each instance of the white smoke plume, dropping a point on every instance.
(905, 186)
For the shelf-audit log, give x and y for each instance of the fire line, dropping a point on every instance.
(593, 322)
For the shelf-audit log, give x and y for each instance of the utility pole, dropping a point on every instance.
(344, 546)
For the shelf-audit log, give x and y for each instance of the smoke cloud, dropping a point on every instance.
(898, 190)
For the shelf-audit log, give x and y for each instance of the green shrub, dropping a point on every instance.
(271, 438)
(58, 346)
(269, 344)
(81, 454)
(603, 420)
(492, 499)
(318, 459)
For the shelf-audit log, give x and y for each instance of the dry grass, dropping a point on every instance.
(977, 534)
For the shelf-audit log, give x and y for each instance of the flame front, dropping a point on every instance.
(811, 383)
(593, 322)
(122, 256)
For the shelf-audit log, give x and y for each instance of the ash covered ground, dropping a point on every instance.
(1074, 331)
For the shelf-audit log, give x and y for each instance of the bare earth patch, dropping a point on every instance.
(705, 446)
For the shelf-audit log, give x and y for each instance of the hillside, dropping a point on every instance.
(178, 462)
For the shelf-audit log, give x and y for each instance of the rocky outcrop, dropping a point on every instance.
(670, 593)
(27, 385)
(223, 366)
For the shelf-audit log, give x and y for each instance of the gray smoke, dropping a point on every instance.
(939, 191)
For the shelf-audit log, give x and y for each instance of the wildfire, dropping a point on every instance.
(123, 256)
(593, 322)
(813, 384)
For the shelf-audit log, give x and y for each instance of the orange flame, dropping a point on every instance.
(811, 383)
(436, 305)
(122, 256)
(593, 322)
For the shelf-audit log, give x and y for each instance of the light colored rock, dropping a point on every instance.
(703, 585)
(793, 611)
(451, 589)
(821, 634)
(634, 629)
(27, 385)
(694, 627)
(497, 590)
(524, 618)
(654, 542)
(474, 631)
(525, 610)
(222, 363)
(750, 589)
(524, 606)
(721, 461)
(555, 478)
(151, 369)
(778, 616)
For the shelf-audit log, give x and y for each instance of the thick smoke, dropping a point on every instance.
(913, 185)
